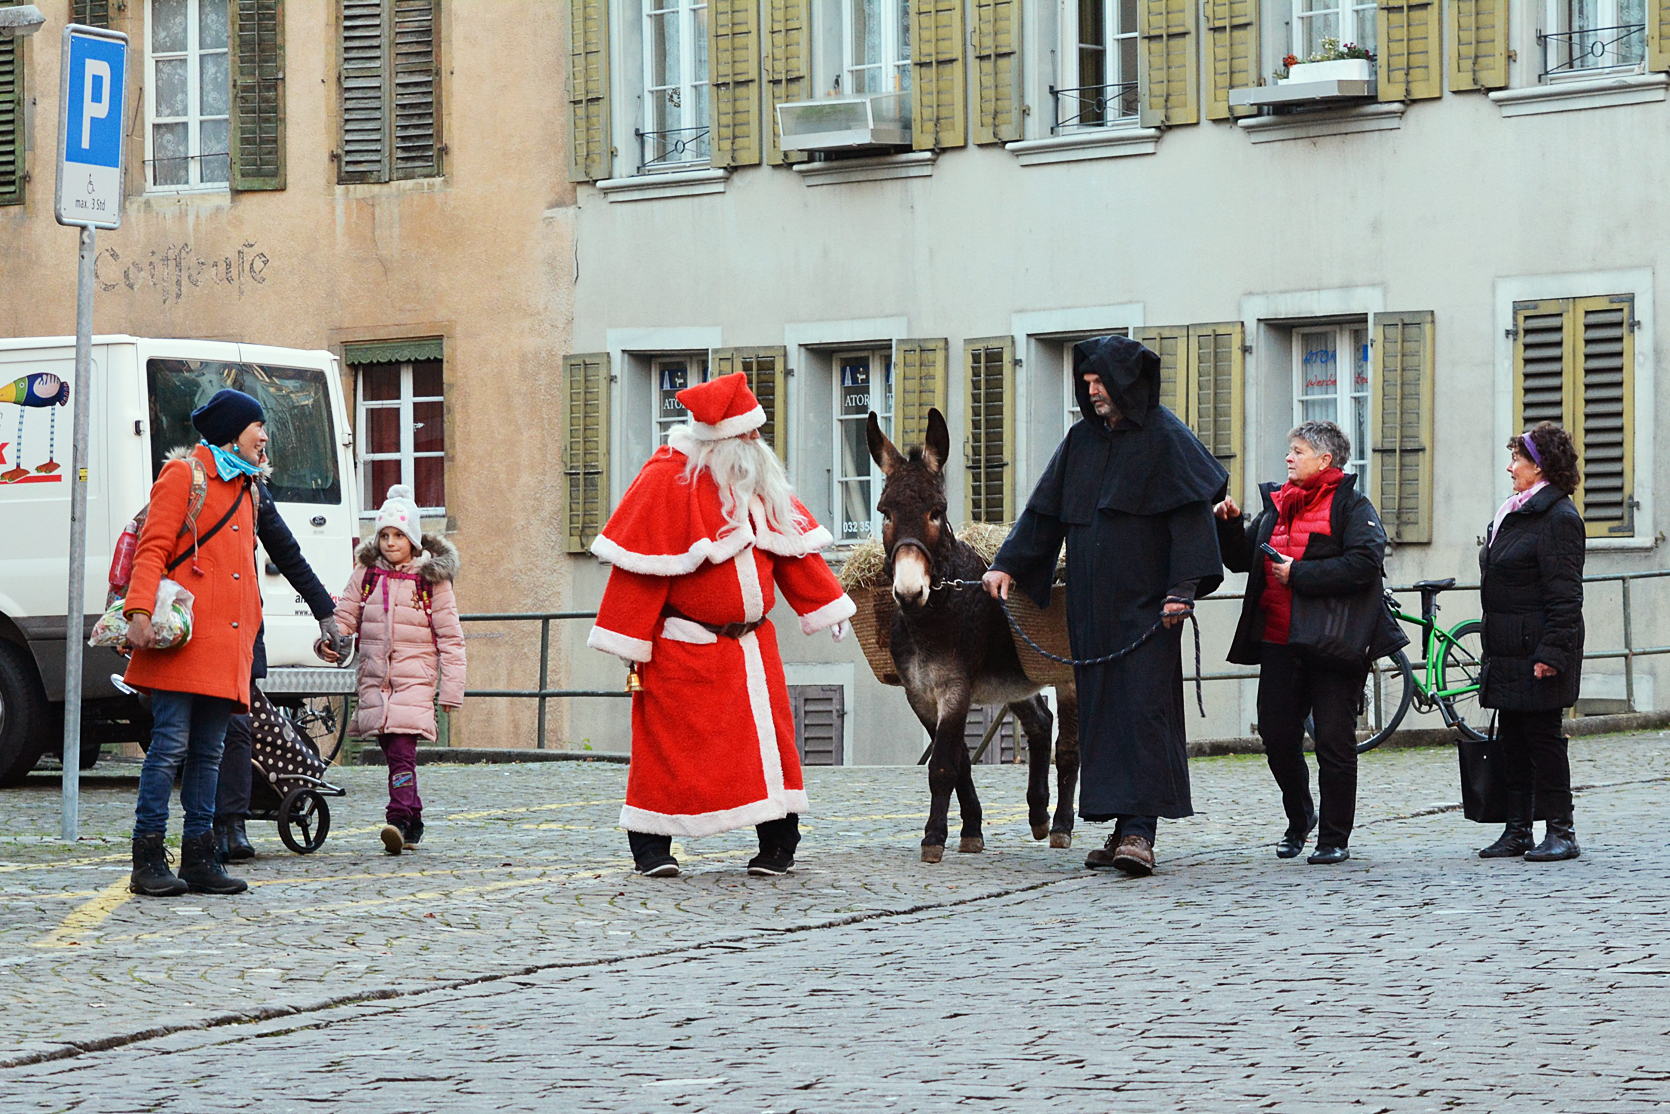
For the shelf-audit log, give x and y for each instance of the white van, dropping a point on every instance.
(142, 397)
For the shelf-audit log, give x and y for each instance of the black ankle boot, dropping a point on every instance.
(151, 875)
(1516, 838)
(223, 852)
(202, 872)
(1559, 842)
(237, 840)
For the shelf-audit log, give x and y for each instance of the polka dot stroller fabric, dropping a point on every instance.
(280, 752)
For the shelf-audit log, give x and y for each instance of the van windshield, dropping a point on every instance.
(301, 435)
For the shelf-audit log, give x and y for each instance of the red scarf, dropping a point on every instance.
(1302, 509)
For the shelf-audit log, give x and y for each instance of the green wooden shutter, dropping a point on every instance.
(585, 457)
(788, 68)
(1232, 53)
(1478, 45)
(1604, 389)
(363, 72)
(1411, 50)
(918, 386)
(590, 148)
(767, 372)
(733, 51)
(1215, 394)
(989, 418)
(1167, 69)
(414, 109)
(12, 168)
(258, 94)
(1171, 344)
(997, 67)
(938, 90)
(90, 13)
(1401, 422)
(1658, 35)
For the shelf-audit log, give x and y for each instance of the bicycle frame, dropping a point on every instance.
(1437, 640)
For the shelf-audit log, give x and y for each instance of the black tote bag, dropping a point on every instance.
(1483, 788)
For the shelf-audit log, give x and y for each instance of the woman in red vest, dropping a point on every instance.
(1326, 578)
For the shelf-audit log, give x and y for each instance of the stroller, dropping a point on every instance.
(289, 785)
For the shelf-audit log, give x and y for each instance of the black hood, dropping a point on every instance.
(1127, 369)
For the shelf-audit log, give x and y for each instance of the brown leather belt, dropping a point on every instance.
(728, 630)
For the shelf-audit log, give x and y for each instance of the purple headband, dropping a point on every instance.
(1531, 448)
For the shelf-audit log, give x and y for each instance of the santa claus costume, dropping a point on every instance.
(696, 571)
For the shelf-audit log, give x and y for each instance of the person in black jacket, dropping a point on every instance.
(232, 793)
(1531, 589)
(1312, 621)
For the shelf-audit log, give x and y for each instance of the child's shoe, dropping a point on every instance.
(394, 840)
(413, 833)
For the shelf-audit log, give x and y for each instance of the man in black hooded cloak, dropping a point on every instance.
(1130, 491)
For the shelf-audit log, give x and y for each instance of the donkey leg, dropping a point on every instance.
(968, 802)
(1035, 719)
(1066, 767)
(945, 762)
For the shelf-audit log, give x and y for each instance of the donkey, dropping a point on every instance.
(953, 648)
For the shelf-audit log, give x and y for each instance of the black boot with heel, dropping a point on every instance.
(1516, 838)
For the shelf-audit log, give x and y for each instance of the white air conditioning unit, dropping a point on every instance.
(833, 123)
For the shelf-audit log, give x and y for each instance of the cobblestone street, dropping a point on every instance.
(515, 963)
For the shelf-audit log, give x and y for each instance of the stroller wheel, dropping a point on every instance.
(304, 820)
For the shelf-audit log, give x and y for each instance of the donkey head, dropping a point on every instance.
(912, 507)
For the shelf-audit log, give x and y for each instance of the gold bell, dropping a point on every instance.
(634, 683)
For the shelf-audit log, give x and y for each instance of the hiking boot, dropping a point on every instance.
(771, 864)
(657, 866)
(237, 841)
(1135, 856)
(1559, 842)
(1102, 857)
(151, 875)
(413, 831)
(202, 872)
(394, 839)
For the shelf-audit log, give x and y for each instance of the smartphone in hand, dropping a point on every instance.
(1271, 552)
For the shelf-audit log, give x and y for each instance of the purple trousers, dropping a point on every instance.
(400, 752)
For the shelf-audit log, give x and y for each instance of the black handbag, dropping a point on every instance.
(1483, 787)
(1344, 633)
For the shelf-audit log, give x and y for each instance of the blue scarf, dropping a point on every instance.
(231, 465)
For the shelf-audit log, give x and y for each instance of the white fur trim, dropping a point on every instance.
(748, 577)
(683, 630)
(730, 427)
(828, 615)
(707, 549)
(759, 702)
(620, 645)
(712, 823)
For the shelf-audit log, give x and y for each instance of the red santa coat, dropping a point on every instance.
(712, 735)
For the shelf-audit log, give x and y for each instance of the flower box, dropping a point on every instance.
(1341, 69)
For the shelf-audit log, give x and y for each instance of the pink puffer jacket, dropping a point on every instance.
(399, 660)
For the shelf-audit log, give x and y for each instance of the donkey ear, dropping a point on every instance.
(937, 450)
(887, 458)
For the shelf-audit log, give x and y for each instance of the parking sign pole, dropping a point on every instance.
(75, 633)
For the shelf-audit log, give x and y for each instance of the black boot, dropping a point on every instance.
(200, 870)
(1559, 841)
(223, 850)
(778, 840)
(237, 840)
(1516, 838)
(151, 875)
(653, 854)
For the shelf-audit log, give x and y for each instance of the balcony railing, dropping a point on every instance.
(1593, 48)
(1093, 106)
(672, 148)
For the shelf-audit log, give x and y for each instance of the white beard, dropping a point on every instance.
(746, 470)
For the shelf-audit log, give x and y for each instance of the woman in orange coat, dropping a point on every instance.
(196, 688)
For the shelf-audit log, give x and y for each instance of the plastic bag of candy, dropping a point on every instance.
(170, 620)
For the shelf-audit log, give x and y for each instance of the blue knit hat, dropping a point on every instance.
(224, 417)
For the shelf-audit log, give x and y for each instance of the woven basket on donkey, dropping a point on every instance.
(873, 624)
(1049, 630)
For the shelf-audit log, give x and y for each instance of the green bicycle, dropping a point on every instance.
(1450, 673)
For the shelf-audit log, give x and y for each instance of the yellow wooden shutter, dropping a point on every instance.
(766, 369)
(997, 68)
(918, 386)
(257, 71)
(12, 173)
(1542, 351)
(1478, 44)
(1411, 50)
(1171, 344)
(1603, 389)
(1214, 381)
(590, 148)
(1232, 53)
(788, 67)
(1401, 422)
(938, 92)
(733, 37)
(585, 455)
(989, 418)
(1167, 64)
(1658, 35)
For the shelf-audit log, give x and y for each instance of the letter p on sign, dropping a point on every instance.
(91, 147)
(98, 75)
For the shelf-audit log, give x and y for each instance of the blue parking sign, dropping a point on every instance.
(91, 154)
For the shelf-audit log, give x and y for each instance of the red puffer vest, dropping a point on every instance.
(1301, 510)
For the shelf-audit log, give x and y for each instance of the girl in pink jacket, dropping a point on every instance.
(400, 602)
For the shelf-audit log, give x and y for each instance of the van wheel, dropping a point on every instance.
(25, 717)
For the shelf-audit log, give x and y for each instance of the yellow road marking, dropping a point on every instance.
(9, 867)
(530, 808)
(87, 916)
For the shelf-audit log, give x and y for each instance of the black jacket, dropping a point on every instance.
(1346, 561)
(1531, 588)
(286, 554)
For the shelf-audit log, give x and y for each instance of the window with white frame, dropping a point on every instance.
(188, 94)
(671, 375)
(675, 84)
(875, 55)
(1590, 35)
(1346, 22)
(1331, 373)
(1100, 74)
(863, 382)
(402, 433)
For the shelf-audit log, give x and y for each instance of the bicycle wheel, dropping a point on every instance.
(1462, 664)
(1397, 690)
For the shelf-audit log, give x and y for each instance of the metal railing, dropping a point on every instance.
(1094, 105)
(1592, 48)
(674, 146)
(544, 692)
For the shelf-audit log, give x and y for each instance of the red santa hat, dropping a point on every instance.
(722, 407)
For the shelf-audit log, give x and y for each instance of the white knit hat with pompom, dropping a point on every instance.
(400, 512)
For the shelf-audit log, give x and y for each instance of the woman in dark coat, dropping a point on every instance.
(1313, 657)
(1531, 588)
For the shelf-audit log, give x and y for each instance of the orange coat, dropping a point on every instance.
(226, 613)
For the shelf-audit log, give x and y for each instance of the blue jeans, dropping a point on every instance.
(187, 731)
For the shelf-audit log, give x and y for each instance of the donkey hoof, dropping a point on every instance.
(1040, 831)
(933, 853)
(971, 845)
(1061, 839)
